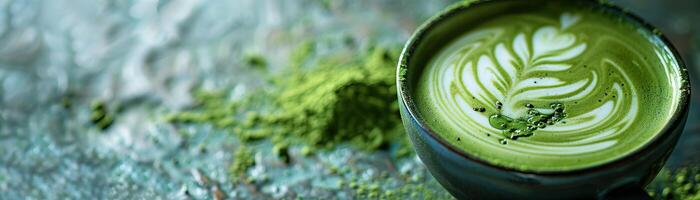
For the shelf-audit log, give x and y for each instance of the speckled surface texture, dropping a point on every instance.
(145, 57)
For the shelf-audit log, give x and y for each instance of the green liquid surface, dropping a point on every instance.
(550, 89)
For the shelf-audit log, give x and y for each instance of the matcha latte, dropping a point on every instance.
(550, 89)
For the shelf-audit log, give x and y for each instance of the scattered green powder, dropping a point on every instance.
(281, 150)
(306, 150)
(242, 160)
(66, 102)
(381, 189)
(100, 116)
(255, 60)
(317, 102)
(682, 183)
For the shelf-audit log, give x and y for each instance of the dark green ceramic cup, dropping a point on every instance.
(467, 176)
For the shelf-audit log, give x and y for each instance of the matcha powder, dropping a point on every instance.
(319, 102)
(337, 102)
(680, 183)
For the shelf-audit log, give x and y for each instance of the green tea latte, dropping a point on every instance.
(550, 89)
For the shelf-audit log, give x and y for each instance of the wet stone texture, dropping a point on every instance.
(84, 85)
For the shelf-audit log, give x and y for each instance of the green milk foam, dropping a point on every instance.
(552, 89)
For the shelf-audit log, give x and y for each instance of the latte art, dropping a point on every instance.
(532, 69)
(563, 89)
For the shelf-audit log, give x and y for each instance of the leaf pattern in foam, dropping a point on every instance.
(505, 73)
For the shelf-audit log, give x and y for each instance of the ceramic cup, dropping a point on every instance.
(466, 176)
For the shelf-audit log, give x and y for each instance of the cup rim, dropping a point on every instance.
(678, 116)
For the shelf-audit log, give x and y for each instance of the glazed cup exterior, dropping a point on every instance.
(469, 177)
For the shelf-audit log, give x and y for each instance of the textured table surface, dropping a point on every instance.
(148, 55)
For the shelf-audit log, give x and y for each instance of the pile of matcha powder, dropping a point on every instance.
(318, 102)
